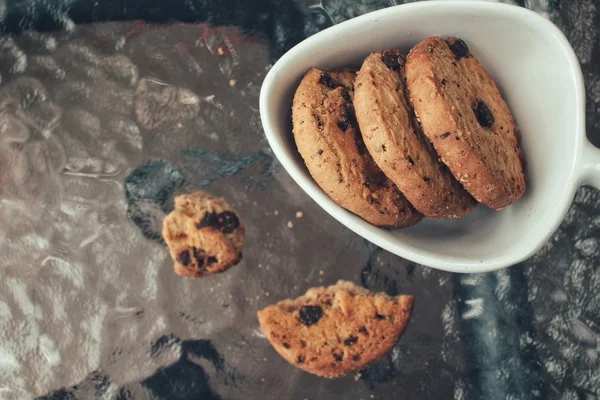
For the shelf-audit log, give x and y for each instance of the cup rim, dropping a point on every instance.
(372, 233)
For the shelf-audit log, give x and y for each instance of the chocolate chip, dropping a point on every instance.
(319, 122)
(300, 359)
(286, 345)
(350, 341)
(199, 256)
(228, 221)
(183, 258)
(209, 220)
(338, 355)
(443, 82)
(383, 148)
(302, 343)
(484, 115)
(328, 81)
(363, 330)
(211, 260)
(426, 179)
(346, 95)
(310, 315)
(444, 135)
(355, 357)
(411, 161)
(319, 152)
(379, 316)
(459, 48)
(343, 125)
(394, 61)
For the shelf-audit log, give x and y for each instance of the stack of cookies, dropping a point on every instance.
(405, 137)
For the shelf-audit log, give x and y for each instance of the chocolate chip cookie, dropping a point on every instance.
(395, 140)
(336, 330)
(328, 139)
(204, 234)
(466, 119)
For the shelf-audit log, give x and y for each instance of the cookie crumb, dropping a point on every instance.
(267, 294)
(321, 272)
(212, 290)
(275, 212)
(262, 379)
(372, 396)
(265, 359)
(259, 265)
(290, 224)
(232, 82)
(179, 125)
(220, 51)
(299, 214)
(268, 267)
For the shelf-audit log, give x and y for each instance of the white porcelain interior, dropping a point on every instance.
(539, 76)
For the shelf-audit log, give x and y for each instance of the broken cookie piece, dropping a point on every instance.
(336, 330)
(204, 235)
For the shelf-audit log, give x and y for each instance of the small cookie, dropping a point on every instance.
(204, 235)
(327, 137)
(336, 330)
(396, 142)
(466, 119)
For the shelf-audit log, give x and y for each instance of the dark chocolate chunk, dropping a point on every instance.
(350, 341)
(338, 355)
(411, 161)
(443, 82)
(319, 122)
(209, 220)
(355, 357)
(394, 61)
(460, 49)
(444, 135)
(484, 115)
(228, 221)
(310, 315)
(426, 179)
(300, 359)
(286, 345)
(363, 330)
(379, 316)
(328, 81)
(343, 124)
(199, 256)
(319, 152)
(211, 260)
(346, 95)
(183, 258)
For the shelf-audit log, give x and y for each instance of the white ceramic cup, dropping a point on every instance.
(539, 76)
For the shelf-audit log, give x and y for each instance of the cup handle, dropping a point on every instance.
(590, 165)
